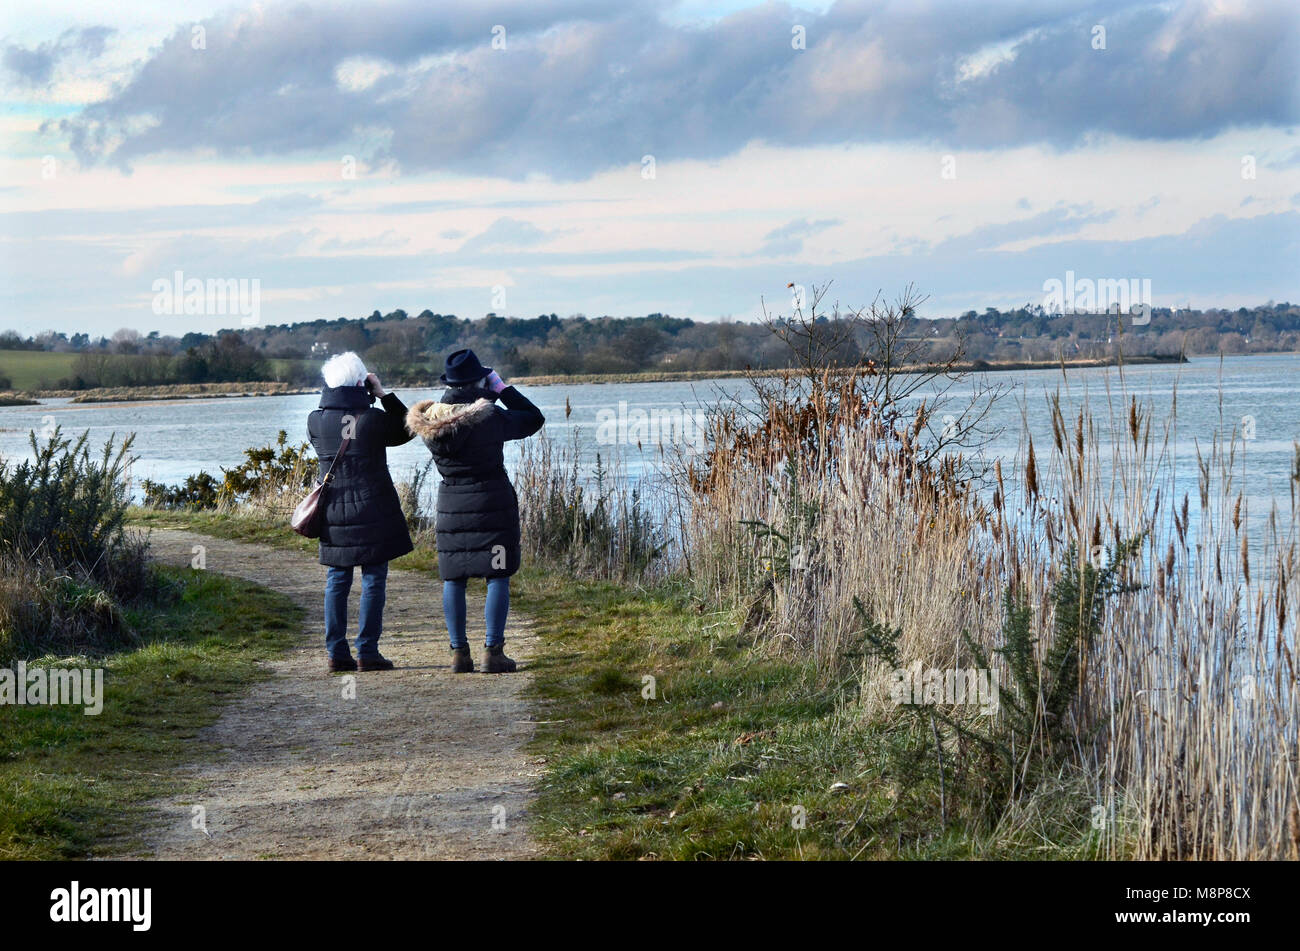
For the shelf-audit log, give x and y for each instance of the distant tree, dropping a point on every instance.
(126, 340)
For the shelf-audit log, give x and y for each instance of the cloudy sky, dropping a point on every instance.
(629, 157)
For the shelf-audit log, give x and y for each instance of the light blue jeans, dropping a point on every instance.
(374, 584)
(494, 613)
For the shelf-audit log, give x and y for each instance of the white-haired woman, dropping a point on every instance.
(361, 517)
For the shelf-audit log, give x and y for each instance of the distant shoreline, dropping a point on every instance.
(173, 391)
(967, 366)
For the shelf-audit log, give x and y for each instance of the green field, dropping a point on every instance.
(34, 369)
(287, 369)
(39, 370)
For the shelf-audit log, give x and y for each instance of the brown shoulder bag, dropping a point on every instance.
(306, 517)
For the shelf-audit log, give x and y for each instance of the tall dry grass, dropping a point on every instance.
(1182, 739)
(593, 521)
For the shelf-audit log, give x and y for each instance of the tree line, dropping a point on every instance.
(409, 348)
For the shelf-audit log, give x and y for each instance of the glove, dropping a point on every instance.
(494, 382)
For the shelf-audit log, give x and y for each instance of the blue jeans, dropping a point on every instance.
(494, 612)
(374, 582)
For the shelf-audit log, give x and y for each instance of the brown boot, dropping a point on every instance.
(378, 662)
(495, 661)
(461, 661)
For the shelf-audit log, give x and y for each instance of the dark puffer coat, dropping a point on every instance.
(478, 512)
(362, 522)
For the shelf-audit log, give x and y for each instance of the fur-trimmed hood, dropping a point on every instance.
(430, 419)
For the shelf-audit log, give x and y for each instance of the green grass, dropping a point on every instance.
(737, 755)
(284, 368)
(741, 753)
(34, 369)
(74, 786)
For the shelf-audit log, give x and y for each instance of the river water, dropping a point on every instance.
(1260, 394)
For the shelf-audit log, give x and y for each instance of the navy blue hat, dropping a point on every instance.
(463, 369)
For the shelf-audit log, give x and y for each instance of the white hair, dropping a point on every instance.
(345, 369)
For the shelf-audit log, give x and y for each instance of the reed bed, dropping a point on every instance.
(1153, 664)
(594, 521)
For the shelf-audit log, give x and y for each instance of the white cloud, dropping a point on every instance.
(727, 210)
(357, 73)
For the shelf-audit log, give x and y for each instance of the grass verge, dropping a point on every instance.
(736, 753)
(74, 786)
(714, 758)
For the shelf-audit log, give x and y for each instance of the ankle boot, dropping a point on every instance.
(495, 661)
(461, 661)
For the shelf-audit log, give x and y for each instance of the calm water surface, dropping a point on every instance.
(175, 439)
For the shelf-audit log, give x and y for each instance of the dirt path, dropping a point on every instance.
(420, 764)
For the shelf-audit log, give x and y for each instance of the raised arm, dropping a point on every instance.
(395, 433)
(521, 416)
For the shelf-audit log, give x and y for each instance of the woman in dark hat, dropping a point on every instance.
(478, 512)
(361, 520)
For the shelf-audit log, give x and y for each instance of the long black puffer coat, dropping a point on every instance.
(478, 511)
(362, 522)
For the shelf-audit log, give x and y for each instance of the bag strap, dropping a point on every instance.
(343, 447)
